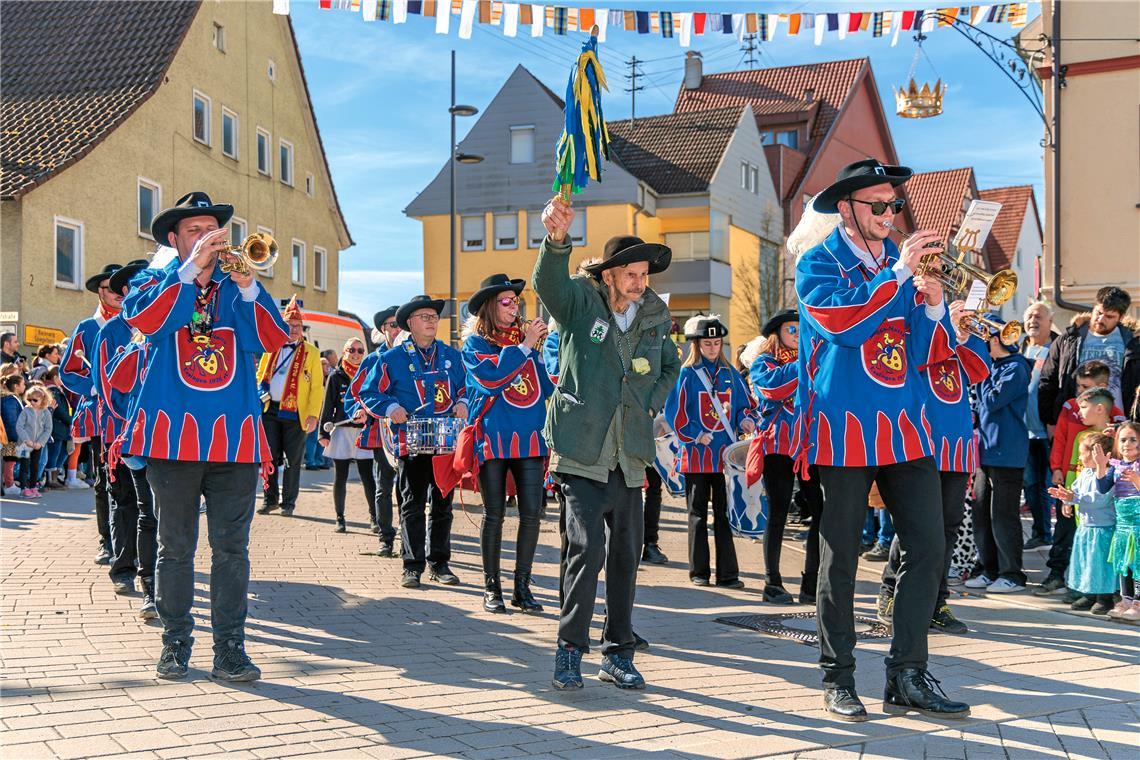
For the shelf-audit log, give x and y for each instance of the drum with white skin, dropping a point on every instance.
(747, 507)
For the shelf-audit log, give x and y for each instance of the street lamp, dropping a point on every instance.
(464, 158)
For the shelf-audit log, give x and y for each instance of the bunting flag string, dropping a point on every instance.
(683, 26)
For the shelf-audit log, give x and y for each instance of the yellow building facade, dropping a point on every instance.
(230, 116)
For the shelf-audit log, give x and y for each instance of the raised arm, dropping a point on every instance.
(773, 381)
(491, 371)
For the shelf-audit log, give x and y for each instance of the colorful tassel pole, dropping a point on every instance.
(585, 140)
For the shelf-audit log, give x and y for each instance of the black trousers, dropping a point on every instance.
(997, 523)
(147, 537)
(286, 440)
(102, 492)
(912, 493)
(124, 525)
(604, 527)
(1064, 529)
(811, 501)
(779, 480)
(700, 488)
(529, 474)
(652, 505)
(423, 539)
(953, 512)
(340, 483)
(384, 475)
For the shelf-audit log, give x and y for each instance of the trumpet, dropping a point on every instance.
(956, 274)
(257, 253)
(976, 324)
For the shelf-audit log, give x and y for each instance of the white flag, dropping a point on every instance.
(980, 14)
(538, 18)
(281, 7)
(399, 11)
(510, 19)
(686, 28)
(773, 25)
(368, 10)
(467, 19)
(602, 19)
(898, 28)
(929, 23)
(738, 26)
(844, 22)
(442, 19)
(820, 27)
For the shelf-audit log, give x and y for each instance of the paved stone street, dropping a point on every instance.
(355, 666)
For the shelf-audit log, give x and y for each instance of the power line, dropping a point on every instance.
(634, 73)
(750, 49)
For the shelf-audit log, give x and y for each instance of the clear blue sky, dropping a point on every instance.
(381, 94)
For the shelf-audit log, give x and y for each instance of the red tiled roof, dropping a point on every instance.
(935, 199)
(780, 89)
(73, 71)
(1002, 243)
(675, 152)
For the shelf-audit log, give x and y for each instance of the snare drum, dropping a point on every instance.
(433, 435)
(747, 507)
(668, 459)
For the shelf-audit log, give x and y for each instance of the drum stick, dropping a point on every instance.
(330, 426)
(78, 353)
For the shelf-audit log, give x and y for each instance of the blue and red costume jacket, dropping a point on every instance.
(948, 403)
(199, 400)
(76, 376)
(690, 411)
(774, 381)
(863, 336)
(514, 381)
(120, 380)
(110, 341)
(426, 383)
(371, 434)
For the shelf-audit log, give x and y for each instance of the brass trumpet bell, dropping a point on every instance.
(956, 275)
(976, 324)
(257, 253)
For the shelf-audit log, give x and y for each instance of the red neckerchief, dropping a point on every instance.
(785, 355)
(349, 368)
(512, 336)
(106, 312)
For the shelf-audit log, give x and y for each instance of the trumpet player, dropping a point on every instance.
(197, 421)
(867, 325)
(292, 389)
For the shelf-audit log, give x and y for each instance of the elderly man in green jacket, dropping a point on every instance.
(617, 367)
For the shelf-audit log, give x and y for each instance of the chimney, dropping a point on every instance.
(693, 70)
(809, 94)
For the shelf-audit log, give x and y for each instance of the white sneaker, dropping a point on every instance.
(76, 483)
(1004, 586)
(12, 491)
(982, 581)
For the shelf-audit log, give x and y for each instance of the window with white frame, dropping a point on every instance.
(522, 145)
(285, 162)
(744, 175)
(754, 179)
(230, 135)
(506, 231)
(68, 253)
(150, 203)
(577, 229)
(474, 233)
(298, 262)
(219, 37)
(264, 140)
(265, 231)
(202, 104)
(320, 268)
(535, 230)
(310, 184)
(238, 230)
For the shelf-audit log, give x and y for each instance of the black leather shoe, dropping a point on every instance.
(286, 512)
(522, 598)
(775, 594)
(653, 555)
(843, 703)
(266, 509)
(442, 574)
(567, 669)
(735, 583)
(493, 594)
(618, 670)
(913, 690)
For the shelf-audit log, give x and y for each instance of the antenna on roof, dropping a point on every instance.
(750, 49)
(634, 72)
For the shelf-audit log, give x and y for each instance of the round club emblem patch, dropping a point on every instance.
(206, 362)
(946, 381)
(884, 353)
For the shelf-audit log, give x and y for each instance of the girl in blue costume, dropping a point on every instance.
(507, 386)
(1124, 553)
(709, 393)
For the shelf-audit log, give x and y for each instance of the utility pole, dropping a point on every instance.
(634, 73)
(750, 48)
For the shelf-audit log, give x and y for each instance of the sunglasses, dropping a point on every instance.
(389, 325)
(878, 208)
(509, 301)
(792, 329)
(355, 351)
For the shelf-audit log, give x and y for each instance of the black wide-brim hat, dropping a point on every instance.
(492, 286)
(777, 320)
(192, 204)
(382, 316)
(866, 173)
(93, 281)
(414, 305)
(705, 327)
(624, 250)
(122, 278)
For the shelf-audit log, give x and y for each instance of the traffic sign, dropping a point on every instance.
(34, 335)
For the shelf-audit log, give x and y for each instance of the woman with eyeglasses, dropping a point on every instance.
(339, 431)
(507, 385)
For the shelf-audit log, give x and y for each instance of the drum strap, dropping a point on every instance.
(715, 399)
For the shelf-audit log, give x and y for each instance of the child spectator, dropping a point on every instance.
(11, 404)
(60, 430)
(1004, 447)
(1124, 554)
(1089, 570)
(33, 430)
(1063, 456)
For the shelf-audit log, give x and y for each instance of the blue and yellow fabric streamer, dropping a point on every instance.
(585, 139)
